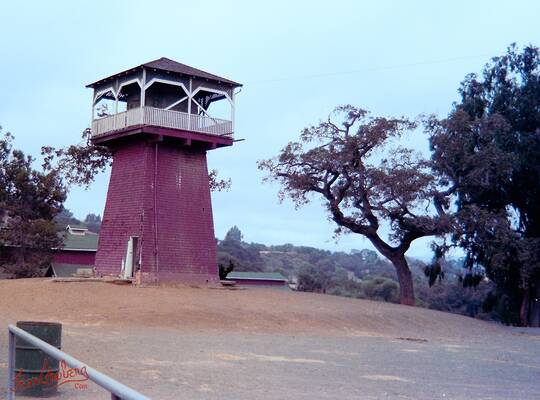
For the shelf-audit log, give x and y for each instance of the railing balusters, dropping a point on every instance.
(164, 118)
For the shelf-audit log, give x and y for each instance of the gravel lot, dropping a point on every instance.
(200, 343)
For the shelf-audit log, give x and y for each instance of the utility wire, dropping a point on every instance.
(356, 71)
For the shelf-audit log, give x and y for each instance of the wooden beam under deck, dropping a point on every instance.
(187, 138)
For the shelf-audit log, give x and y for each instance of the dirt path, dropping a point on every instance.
(192, 343)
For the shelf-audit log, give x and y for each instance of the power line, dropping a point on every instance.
(356, 71)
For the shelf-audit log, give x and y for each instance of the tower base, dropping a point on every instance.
(159, 197)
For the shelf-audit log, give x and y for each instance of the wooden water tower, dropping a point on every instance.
(157, 119)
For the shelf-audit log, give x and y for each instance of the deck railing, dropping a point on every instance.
(118, 391)
(162, 118)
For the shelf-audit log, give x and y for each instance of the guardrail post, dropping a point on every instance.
(11, 367)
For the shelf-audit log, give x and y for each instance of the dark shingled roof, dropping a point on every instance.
(81, 227)
(264, 276)
(86, 242)
(168, 65)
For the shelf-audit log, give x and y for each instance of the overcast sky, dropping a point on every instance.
(297, 60)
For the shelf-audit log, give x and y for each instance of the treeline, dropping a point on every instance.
(66, 217)
(362, 274)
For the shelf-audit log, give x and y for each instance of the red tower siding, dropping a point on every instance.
(74, 257)
(159, 192)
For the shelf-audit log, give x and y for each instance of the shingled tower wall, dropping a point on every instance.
(166, 204)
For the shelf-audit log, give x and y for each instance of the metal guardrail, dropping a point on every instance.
(118, 390)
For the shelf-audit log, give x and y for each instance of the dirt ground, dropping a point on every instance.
(204, 343)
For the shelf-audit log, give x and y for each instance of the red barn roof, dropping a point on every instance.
(168, 65)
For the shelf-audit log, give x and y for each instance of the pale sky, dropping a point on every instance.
(297, 60)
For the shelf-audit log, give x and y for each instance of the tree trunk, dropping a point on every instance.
(20, 256)
(524, 310)
(529, 313)
(406, 289)
(534, 316)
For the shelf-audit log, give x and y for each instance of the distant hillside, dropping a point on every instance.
(358, 274)
(291, 260)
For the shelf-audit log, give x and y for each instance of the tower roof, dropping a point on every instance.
(168, 65)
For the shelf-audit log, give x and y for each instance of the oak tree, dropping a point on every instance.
(368, 182)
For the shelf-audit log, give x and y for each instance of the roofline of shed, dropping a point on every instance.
(257, 279)
(69, 249)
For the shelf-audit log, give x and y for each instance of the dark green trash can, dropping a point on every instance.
(36, 372)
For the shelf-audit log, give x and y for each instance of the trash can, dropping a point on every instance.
(36, 373)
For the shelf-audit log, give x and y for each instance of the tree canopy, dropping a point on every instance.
(489, 148)
(234, 234)
(29, 200)
(367, 181)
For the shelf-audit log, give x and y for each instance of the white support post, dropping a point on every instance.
(92, 133)
(116, 95)
(232, 109)
(143, 94)
(189, 102)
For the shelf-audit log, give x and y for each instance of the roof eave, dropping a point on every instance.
(127, 71)
(75, 249)
(142, 66)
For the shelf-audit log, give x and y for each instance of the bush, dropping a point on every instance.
(381, 288)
